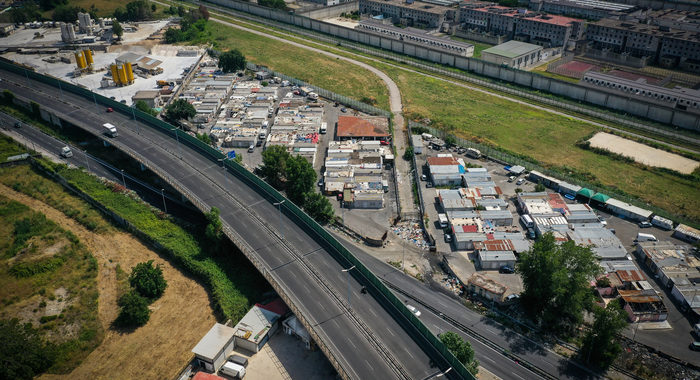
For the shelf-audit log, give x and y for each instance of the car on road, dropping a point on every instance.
(531, 233)
(66, 152)
(511, 178)
(520, 181)
(695, 345)
(320, 182)
(251, 148)
(506, 269)
(423, 177)
(110, 109)
(448, 238)
(413, 310)
(18, 124)
(644, 225)
(343, 109)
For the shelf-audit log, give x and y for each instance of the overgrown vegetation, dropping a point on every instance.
(193, 27)
(138, 10)
(180, 109)
(296, 176)
(461, 349)
(600, 346)
(43, 264)
(232, 60)
(24, 353)
(275, 4)
(144, 107)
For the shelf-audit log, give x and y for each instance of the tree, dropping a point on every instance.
(274, 165)
(301, 178)
(539, 187)
(117, 29)
(556, 280)
(204, 12)
(180, 109)
(153, 8)
(203, 137)
(173, 35)
(134, 310)
(461, 349)
(450, 140)
(28, 12)
(276, 4)
(24, 354)
(180, 10)
(231, 61)
(318, 207)
(148, 280)
(144, 107)
(600, 346)
(65, 13)
(48, 5)
(408, 153)
(214, 229)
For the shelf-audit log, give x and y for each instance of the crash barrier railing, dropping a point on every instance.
(429, 342)
(510, 159)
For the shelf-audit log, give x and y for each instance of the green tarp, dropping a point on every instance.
(588, 193)
(600, 197)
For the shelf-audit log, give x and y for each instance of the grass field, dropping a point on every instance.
(48, 279)
(546, 137)
(315, 68)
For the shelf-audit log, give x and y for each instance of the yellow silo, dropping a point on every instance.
(115, 76)
(80, 60)
(129, 72)
(122, 75)
(88, 57)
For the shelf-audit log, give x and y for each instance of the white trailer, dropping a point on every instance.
(663, 223)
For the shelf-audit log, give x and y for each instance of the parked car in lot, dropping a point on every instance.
(343, 109)
(506, 269)
(428, 185)
(511, 178)
(520, 181)
(413, 310)
(423, 177)
(695, 345)
(448, 238)
(644, 225)
(383, 142)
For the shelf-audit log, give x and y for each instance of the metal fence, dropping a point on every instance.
(511, 159)
(426, 339)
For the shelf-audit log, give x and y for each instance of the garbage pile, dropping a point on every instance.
(410, 231)
(453, 284)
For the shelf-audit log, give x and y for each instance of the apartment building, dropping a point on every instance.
(416, 36)
(409, 12)
(523, 25)
(586, 9)
(669, 47)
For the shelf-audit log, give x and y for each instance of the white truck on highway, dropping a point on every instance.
(110, 130)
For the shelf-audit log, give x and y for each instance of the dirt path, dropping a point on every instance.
(179, 319)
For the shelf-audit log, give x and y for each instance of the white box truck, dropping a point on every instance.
(442, 218)
(663, 223)
(645, 237)
(110, 130)
(233, 370)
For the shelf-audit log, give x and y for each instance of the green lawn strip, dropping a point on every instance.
(231, 279)
(34, 267)
(9, 148)
(548, 138)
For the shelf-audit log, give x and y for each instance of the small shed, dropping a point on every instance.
(254, 329)
(486, 288)
(568, 188)
(215, 346)
(627, 210)
(150, 97)
(517, 169)
(417, 144)
(368, 200)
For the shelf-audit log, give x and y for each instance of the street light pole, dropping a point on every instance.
(279, 207)
(178, 141)
(348, 276)
(162, 194)
(123, 180)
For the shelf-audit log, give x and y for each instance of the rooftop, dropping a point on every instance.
(487, 284)
(436, 161)
(255, 324)
(416, 5)
(214, 341)
(594, 4)
(352, 126)
(512, 49)
(655, 30)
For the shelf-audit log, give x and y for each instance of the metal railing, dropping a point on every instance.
(394, 305)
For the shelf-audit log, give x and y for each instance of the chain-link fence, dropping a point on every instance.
(508, 158)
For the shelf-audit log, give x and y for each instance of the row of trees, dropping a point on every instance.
(147, 285)
(192, 26)
(557, 293)
(296, 176)
(135, 11)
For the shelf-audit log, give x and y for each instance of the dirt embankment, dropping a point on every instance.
(178, 320)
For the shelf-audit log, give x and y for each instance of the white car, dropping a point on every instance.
(520, 181)
(413, 310)
(66, 152)
(511, 178)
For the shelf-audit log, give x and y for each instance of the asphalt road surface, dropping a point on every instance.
(312, 278)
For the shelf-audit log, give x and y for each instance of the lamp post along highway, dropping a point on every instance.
(162, 194)
(178, 141)
(348, 273)
(123, 180)
(279, 207)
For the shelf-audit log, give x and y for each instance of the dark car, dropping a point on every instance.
(695, 345)
(343, 109)
(506, 269)
(18, 125)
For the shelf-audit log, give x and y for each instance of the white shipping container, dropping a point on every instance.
(663, 223)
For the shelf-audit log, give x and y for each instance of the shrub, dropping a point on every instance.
(134, 310)
(148, 280)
